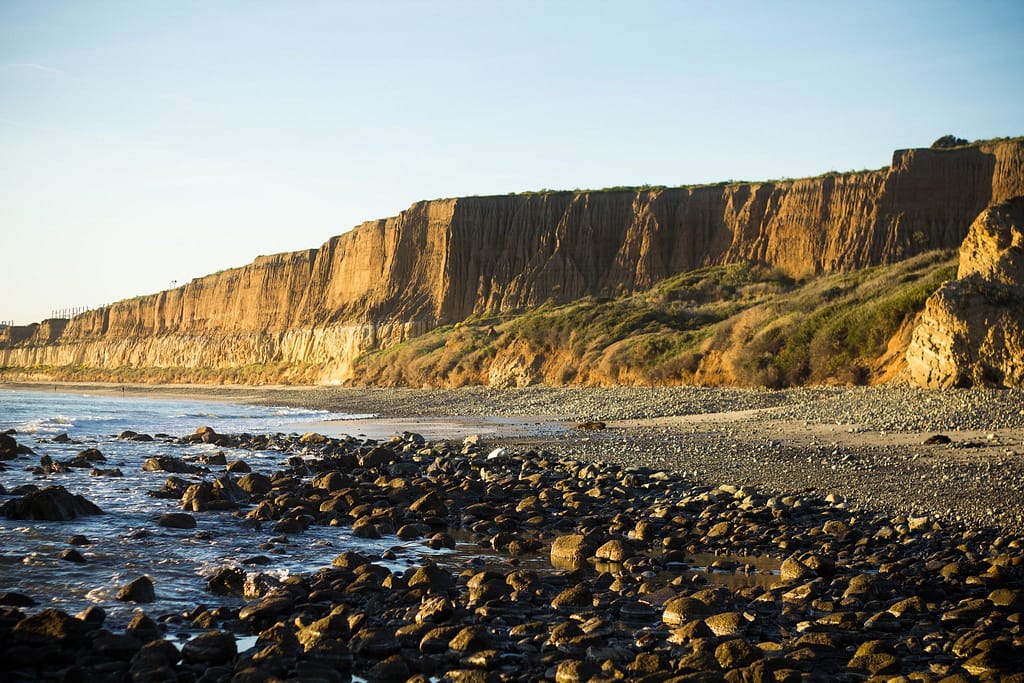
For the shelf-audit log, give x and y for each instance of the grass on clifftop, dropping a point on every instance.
(741, 324)
(949, 146)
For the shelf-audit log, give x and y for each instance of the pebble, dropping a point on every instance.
(854, 589)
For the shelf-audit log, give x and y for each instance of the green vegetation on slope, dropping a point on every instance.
(740, 324)
(743, 324)
(837, 328)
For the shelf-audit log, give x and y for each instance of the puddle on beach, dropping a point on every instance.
(733, 571)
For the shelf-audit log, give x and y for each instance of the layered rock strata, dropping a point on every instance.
(441, 261)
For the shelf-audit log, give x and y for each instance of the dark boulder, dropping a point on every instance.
(268, 610)
(168, 463)
(129, 435)
(227, 581)
(50, 625)
(54, 503)
(72, 555)
(223, 493)
(174, 487)
(93, 615)
(144, 628)
(116, 647)
(91, 455)
(239, 467)
(211, 648)
(10, 448)
(17, 600)
(155, 661)
(177, 520)
(255, 484)
(376, 457)
(208, 435)
(217, 458)
(139, 590)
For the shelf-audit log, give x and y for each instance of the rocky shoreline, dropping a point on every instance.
(590, 536)
(866, 444)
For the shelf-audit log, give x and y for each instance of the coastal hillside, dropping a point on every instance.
(345, 312)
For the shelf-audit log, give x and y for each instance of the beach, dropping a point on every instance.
(647, 534)
(866, 444)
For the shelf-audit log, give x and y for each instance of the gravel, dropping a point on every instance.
(902, 408)
(976, 481)
(862, 444)
(890, 408)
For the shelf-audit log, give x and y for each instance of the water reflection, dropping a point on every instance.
(733, 571)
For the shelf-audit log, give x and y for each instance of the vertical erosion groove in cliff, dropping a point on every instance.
(442, 261)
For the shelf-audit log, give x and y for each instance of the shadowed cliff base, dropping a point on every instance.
(776, 283)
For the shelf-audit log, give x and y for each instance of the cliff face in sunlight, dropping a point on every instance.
(311, 313)
(971, 331)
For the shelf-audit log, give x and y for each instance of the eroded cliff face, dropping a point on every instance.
(971, 331)
(441, 261)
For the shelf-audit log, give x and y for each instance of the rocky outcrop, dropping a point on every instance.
(310, 313)
(53, 503)
(971, 331)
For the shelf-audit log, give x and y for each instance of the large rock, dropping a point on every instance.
(54, 503)
(177, 520)
(255, 484)
(210, 649)
(971, 332)
(168, 463)
(10, 448)
(155, 661)
(994, 246)
(223, 493)
(50, 625)
(227, 581)
(139, 590)
(571, 550)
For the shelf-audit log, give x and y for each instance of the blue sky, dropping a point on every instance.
(150, 142)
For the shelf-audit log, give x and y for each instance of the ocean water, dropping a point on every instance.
(126, 541)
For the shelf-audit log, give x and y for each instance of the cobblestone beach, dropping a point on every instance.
(865, 444)
(620, 535)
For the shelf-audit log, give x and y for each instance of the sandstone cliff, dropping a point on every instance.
(313, 312)
(971, 331)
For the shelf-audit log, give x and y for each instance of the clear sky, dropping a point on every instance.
(146, 142)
